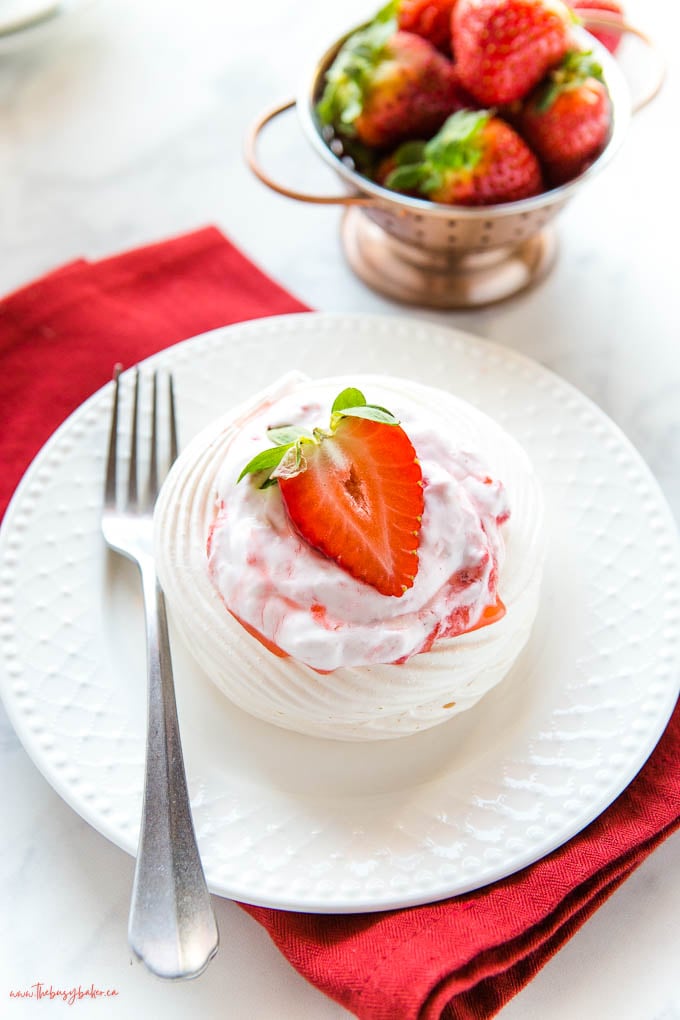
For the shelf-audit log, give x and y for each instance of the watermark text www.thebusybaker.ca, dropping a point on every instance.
(52, 993)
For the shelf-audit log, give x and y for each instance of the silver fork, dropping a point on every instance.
(172, 926)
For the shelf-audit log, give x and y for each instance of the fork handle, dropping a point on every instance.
(172, 926)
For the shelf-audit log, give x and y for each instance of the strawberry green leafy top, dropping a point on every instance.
(286, 458)
(576, 68)
(351, 72)
(457, 146)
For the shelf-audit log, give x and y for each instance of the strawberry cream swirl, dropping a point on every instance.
(349, 662)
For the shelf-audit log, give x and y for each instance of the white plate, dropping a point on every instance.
(301, 823)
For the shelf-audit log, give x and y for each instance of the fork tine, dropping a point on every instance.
(110, 484)
(140, 497)
(132, 471)
(174, 443)
(153, 456)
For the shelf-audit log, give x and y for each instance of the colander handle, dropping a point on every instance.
(593, 18)
(301, 196)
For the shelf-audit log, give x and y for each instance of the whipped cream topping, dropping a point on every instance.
(312, 609)
(352, 702)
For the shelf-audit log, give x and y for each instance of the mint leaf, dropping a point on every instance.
(287, 458)
(264, 461)
(350, 397)
(285, 435)
(373, 412)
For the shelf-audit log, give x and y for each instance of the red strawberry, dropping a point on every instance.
(355, 493)
(503, 48)
(568, 119)
(610, 8)
(430, 19)
(385, 86)
(476, 159)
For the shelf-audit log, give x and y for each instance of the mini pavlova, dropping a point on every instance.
(352, 558)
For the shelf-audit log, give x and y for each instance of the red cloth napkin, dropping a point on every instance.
(461, 959)
(60, 336)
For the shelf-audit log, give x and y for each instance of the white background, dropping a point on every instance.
(124, 125)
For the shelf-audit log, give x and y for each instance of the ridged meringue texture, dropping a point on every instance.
(227, 550)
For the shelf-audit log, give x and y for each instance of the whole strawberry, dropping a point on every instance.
(354, 491)
(430, 19)
(385, 86)
(611, 9)
(476, 159)
(503, 48)
(568, 119)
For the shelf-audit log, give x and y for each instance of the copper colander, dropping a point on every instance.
(446, 256)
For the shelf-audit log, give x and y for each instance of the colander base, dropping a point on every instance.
(442, 279)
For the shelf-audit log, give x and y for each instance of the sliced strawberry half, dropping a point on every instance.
(360, 502)
(354, 492)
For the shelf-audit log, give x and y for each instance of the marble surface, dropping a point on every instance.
(122, 123)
